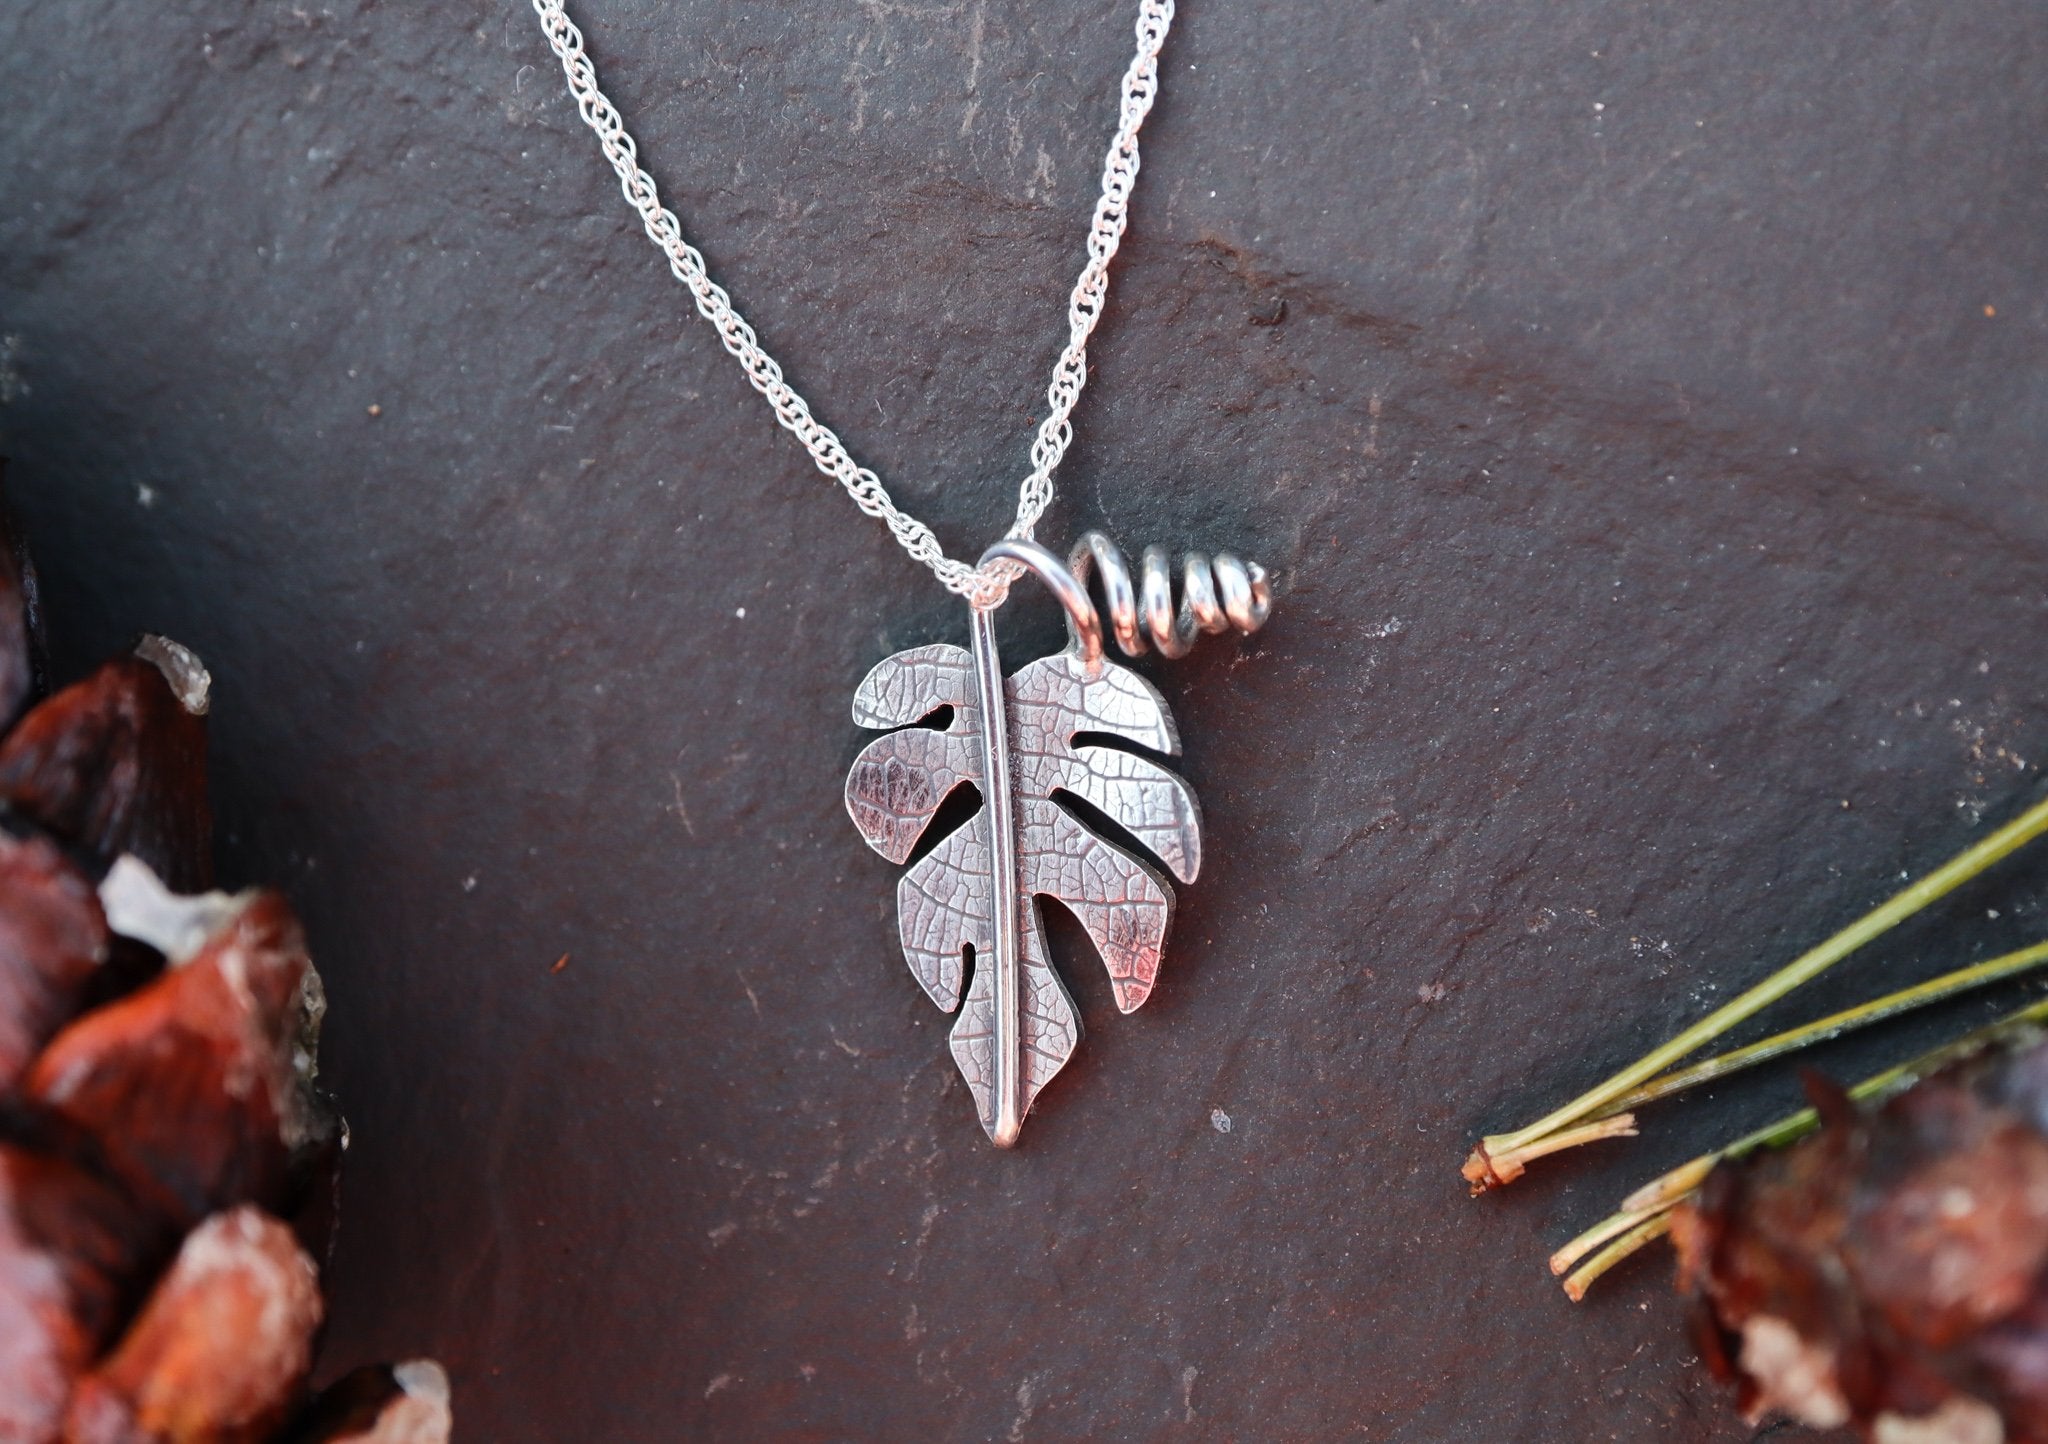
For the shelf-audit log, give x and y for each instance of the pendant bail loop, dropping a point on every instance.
(1084, 623)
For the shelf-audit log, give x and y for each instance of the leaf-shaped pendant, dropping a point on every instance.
(1064, 728)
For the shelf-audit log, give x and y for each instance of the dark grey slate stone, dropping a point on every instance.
(1615, 388)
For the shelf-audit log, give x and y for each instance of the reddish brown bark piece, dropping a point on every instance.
(1894, 1267)
(194, 1088)
(117, 763)
(53, 938)
(70, 1251)
(407, 1404)
(220, 1351)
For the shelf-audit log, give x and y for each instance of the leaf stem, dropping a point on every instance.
(1510, 1166)
(1599, 1233)
(1480, 1167)
(1653, 1227)
(1006, 1109)
(1833, 1026)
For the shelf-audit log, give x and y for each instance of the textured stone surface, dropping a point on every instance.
(1616, 390)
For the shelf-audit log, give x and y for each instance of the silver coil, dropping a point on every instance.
(1216, 594)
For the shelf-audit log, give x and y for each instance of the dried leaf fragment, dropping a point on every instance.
(197, 1088)
(71, 1249)
(53, 938)
(1890, 1272)
(117, 763)
(218, 1353)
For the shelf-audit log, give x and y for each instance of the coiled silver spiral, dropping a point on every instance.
(1216, 594)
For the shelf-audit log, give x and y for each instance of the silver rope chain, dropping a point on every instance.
(984, 587)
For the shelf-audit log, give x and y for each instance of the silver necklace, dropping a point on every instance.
(978, 948)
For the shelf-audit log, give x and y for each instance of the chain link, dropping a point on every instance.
(986, 586)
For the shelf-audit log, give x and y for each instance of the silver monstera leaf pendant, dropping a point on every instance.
(1072, 726)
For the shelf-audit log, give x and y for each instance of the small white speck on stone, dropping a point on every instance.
(1599, 105)
(1220, 1121)
(740, 612)
(469, 883)
(145, 495)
